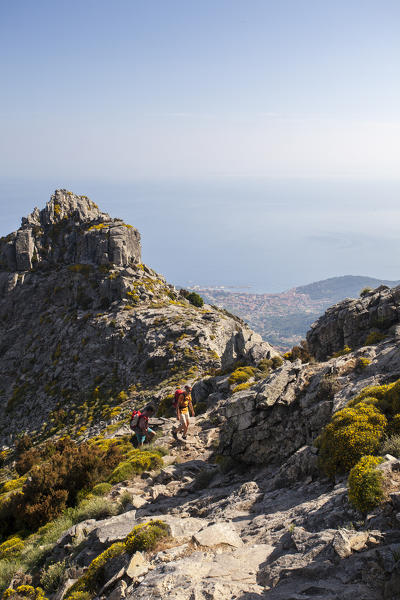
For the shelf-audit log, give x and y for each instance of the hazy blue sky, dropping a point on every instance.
(266, 132)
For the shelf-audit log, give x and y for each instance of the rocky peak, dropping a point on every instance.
(70, 229)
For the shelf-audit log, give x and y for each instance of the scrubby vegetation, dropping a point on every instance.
(374, 337)
(365, 484)
(343, 352)
(301, 352)
(353, 432)
(391, 445)
(144, 537)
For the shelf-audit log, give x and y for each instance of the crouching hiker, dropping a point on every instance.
(140, 424)
(183, 404)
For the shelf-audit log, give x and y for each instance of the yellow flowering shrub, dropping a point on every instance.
(13, 484)
(388, 397)
(93, 577)
(145, 536)
(24, 591)
(353, 432)
(11, 548)
(241, 375)
(346, 350)
(365, 484)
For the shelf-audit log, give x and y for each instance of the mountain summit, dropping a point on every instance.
(70, 229)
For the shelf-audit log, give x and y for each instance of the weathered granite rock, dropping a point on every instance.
(220, 533)
(348, 323)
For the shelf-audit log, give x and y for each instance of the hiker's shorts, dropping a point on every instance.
(142, 436)
(184, 420)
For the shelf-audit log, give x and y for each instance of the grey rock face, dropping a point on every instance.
(348, 323)
(70, 230)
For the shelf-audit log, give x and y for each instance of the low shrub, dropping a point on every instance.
(200, 408)
(54, 484)
(24, 591)
(352, 433)
(362, 363)
(365, 291)
(301, 352)
(387, 396)
(374, 337)
(242, 386)
(365, 484)
(391, 445)
(165, 408)
(343, 352)
(241, 375)
(11, 548)
(93, 577)
(195, 299)
(53, 576)
(144, 537)
(136, 462)
(101, 489)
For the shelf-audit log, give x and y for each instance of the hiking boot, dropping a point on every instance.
(184, 437)
(175, 433)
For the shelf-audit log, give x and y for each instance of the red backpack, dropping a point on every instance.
(176, 397)
(135, 419)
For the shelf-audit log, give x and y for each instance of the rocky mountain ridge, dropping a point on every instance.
(84, 323)
(250, 513)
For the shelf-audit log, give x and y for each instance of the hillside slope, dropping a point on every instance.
(84, 325)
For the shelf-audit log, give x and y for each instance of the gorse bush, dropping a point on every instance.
(343, 352)
(241, 375)
(352, 433)
(11, 548)
(365, 484)
(301, 352)
(24, 591)
(144, 537)
(387, 397)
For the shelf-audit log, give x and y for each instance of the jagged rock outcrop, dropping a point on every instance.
(82, 319)
(349, 323)
(70, 229)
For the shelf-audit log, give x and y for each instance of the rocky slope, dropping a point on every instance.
(250, 514)
(85, 325)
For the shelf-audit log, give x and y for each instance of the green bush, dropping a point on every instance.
(53, 576)
(365, 484)
(137, 461)
(144, 537)
(352, 433)
(195, 299)
(101, 489)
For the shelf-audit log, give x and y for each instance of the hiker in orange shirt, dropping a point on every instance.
(182, 412)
